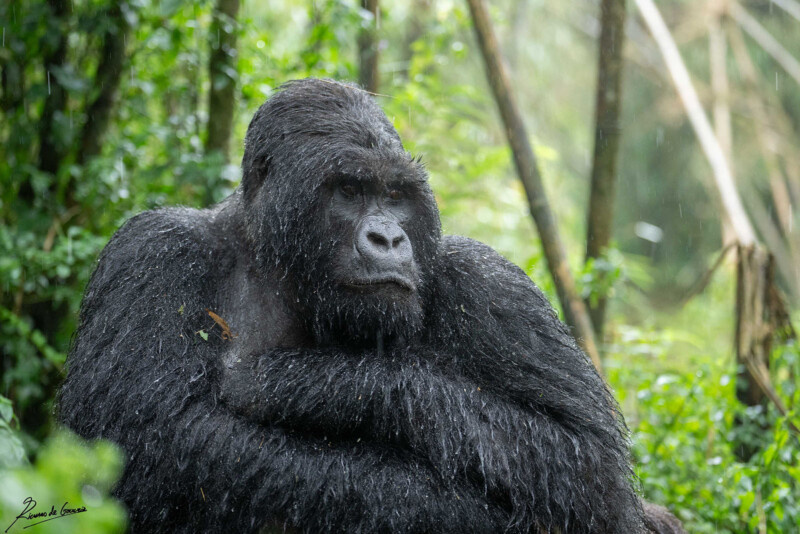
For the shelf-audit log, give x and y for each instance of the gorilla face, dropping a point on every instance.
(335, 206)
(368, 281)
(381, 257)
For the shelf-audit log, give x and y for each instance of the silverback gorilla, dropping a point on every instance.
(311, 354)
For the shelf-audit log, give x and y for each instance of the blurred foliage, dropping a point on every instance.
(679, 401)
(672, 369)
(12, 453)
(67, 474)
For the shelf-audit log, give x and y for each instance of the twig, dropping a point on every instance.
(702, 283)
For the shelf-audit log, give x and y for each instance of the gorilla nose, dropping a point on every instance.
(384, 242)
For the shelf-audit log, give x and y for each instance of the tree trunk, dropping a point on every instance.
(12, 65)
(753, 343)
(106, 83)
(51, 152)
(755, 274)
(417, 19)
(222, 72)
(528, 170)
(760, 314)
(606, 141)
(368, 48)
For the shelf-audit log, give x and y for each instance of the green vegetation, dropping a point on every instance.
(68, 475)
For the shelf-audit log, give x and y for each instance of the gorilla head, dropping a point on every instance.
(337, 208)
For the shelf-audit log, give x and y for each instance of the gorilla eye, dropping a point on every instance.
(349, 190)
(395, 194)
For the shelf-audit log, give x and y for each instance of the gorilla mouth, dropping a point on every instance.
(379, 282)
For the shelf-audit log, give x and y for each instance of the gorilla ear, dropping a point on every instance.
(255, 175)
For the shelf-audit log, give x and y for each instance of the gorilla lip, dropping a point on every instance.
(381, 281)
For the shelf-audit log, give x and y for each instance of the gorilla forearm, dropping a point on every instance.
(498, 330)
(527, 461)
(323, 487)
(225, 462)
(399, 400)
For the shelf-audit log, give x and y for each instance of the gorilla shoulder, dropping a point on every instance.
(169, 251)
(478, 271)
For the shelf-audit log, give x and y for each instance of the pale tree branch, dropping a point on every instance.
(780, 193)
(766, 41)
(719, 85)
(766, 139)
(721, 98)
(731, 201)
(769, 117)
(792, 7)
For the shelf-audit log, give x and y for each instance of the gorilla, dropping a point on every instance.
(312, 355)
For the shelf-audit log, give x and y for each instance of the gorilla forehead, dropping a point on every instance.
(315, 118)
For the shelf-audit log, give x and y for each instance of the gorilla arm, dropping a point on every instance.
(397, 399)
(508, 339)
(141, 376)
(468, 435)
(541, 433)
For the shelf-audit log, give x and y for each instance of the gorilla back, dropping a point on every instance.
(312, 354)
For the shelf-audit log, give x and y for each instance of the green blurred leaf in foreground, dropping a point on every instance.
(68, 474)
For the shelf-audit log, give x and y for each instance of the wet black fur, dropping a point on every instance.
(474, 411)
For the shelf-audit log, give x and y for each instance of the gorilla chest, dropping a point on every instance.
(259, 319)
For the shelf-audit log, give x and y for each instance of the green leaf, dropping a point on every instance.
(6, 410)
(747, 502)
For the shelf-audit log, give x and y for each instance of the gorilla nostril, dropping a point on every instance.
(378, 239)
(382, 242)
